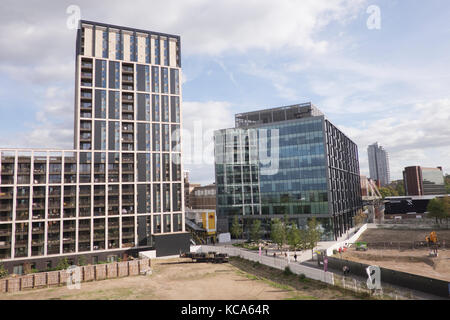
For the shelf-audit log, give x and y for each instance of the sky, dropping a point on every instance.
(379, 70)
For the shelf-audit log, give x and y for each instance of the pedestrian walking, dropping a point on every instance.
(346, 270)
(295, 257)
(266, 252)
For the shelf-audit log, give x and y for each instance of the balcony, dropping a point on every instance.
(5, 245)
(86, 75)
(127, 235)
(8, 195)
(86, 65)
(85, 126)
(7, 159)
(6, 208)
(127, 78)
(5, 232)
(53, 229)
(7, 180)
(127, 69)
(86, 95)
(127, 128)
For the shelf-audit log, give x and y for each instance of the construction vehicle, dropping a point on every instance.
(432, 241)
(211, 256)
(361, 246)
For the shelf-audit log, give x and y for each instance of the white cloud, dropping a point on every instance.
(200, 120)
(418, 136)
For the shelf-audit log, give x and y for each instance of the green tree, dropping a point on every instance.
(313, 234)
(294, 237)
(437, 209)
(447, 183)
(278, 232)
(255, 231)
(400, 188)
(236, 228)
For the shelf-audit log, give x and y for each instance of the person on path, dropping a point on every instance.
(295, 256)
(346, 270)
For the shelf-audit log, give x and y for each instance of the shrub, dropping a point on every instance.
(302, 277)
(62, 264)
(3, 272)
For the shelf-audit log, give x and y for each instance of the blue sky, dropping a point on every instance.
(390, 85)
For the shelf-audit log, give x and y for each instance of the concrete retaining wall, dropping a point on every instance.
(88, 273)
(402, 279)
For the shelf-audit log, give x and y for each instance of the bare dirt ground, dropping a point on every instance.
(173, 280)
(412, 261)
(380, 235)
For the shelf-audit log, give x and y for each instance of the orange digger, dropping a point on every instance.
(432, 241)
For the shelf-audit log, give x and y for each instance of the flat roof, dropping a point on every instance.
(106, 25)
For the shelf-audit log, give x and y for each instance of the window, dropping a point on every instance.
(147, 50)
(166, 52)
(132, 48)
(105, 44)
(116, 75)
(155, 109)
(147, 78)
(165, 80)
(155, 79)
(157, 51)
(118, 46)
(112, 258)
(165, 108)
(175, 81)
(18, 269)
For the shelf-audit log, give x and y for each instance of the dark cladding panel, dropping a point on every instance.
(141, 166)
(140, 70)
(141, 106)
(141, 198)
(141, 137)
(172, 244)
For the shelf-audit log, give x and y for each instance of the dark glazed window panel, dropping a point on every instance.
(167, 223)
(157, 224)
(155, 79)
(155, 108)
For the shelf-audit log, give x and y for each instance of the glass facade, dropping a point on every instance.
(276, 169)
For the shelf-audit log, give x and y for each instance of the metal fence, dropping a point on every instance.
(331, 278)
(274, 262)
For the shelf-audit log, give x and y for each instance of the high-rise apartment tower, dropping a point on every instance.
(121, 188)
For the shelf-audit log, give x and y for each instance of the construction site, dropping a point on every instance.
(404, 250)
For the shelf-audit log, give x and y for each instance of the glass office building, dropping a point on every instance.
(287, 161)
